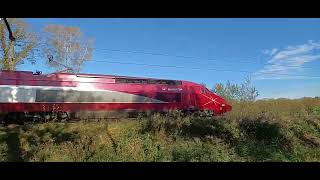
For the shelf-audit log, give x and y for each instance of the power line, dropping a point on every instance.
(189, 57)
(195, 68)
(161, 54)
(186, 57)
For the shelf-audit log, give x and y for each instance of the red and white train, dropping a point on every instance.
(26, 92)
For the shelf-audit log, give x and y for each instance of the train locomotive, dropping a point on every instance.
(24, 92)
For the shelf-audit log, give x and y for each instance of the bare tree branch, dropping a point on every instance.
(68, 47)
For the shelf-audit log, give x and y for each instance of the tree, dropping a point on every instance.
(235, 92)
(247, 91)
(228, 91)
(67, 46)
(15, 52)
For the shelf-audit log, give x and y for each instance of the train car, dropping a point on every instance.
(28, 92)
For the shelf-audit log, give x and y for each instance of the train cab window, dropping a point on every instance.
(202, 90)
(207, 90)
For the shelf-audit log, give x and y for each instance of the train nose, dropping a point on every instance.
(226, 107)
(221, 106)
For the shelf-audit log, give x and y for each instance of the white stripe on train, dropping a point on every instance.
(28, 94)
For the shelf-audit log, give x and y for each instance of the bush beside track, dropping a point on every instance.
(265, 130)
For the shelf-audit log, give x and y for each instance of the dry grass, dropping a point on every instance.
(269, 130)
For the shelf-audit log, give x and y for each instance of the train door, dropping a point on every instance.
(199, 97)
(192, 98)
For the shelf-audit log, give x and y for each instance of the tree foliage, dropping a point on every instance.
(236, 92)
(68, 47)
(15, 52)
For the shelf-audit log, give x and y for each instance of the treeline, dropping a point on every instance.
(62, 47)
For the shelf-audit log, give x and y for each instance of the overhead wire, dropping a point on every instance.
(190, 57)
(192, 68)
(195, 68)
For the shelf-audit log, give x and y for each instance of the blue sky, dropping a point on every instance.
(281, 55)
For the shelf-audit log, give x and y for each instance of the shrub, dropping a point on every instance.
(197, 151)
(169, 123)
(235, 92)
(316, 110)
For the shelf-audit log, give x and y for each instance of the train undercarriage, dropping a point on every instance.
(60, 116)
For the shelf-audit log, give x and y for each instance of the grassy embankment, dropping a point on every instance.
(271, 130)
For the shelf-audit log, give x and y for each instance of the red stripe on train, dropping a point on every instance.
(48, 107)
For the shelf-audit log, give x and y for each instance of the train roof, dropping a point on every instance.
(113, 76)
(77, 75)
(30, 73)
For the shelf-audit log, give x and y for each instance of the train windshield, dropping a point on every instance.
(205, 90)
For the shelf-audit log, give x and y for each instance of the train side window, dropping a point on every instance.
(148, 81)
(49, 96)
(169, 97)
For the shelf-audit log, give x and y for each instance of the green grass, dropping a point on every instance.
(273, 130)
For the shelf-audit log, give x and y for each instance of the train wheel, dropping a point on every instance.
(46, 117)
(63, 116)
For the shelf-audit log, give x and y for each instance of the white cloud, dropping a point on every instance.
(270, 52)
(283, 64)
(273, 51)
